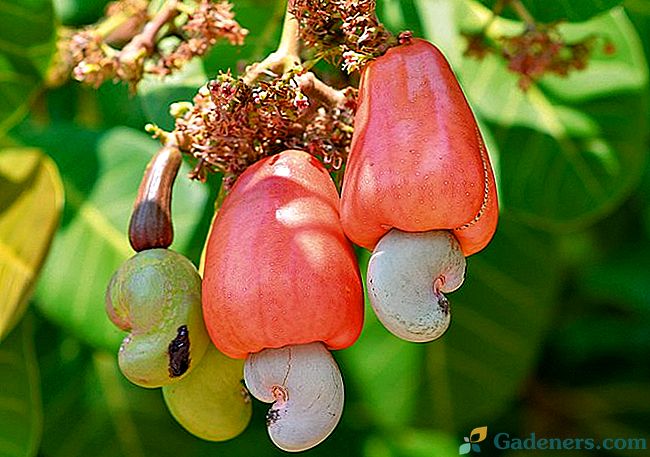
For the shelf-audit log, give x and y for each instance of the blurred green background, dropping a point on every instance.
(551, 331)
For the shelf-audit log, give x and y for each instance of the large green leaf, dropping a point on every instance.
(27, 35)
(412, 443)
(623, 279)
(101, 174)
(91, 409)
(564, 165)
(31, 199)
(562, 10)
(21, 413)
(500, 315)
(156, 94)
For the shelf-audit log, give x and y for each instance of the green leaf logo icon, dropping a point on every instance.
(476, 436)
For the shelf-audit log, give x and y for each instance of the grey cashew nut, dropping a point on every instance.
(305, 386)
(407, 275)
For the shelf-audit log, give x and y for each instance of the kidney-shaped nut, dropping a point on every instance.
(156, 297)
(305, 386)
(151, 221)
(407, 274)
(211, 402)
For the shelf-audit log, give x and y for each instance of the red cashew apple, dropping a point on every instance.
(281, 285)
(417, 164)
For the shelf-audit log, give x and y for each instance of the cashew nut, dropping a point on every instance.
(407, 274)
(305, 386)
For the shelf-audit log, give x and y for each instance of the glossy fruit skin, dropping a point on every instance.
(417, 161)
(156, 296)
(211, 402)
(278, 267)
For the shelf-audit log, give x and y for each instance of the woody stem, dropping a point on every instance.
(286, 56)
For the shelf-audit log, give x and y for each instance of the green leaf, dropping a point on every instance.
(21, 415)
(563, 10)
(499, 318)
(469, 376)
(79, 12)
(412, 443)
(264, 21)
(565, 165)
(27, 43)
(31, 199)
(101, 173)
(622, 279)
(156, 94)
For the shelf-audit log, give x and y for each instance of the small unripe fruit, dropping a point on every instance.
(211, 402)
(156, 297)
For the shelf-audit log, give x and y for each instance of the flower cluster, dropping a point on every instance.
(128, 42)
(329, 134)
(538, 51)
(342, 29)
(229, 125)
(205, 26)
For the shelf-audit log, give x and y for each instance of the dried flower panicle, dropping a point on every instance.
(329, 134)
(92, 62)
(543, 50)
(539, 50)
(208, 24)
(350, 28)
(124, 46)
(230, 125)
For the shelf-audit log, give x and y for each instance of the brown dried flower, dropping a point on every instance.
(94, 60)
(231, 125)
(342, 28)
(207, 25)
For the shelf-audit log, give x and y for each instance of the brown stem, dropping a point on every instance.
(496, 12)
(146, 40)
(523, 13)
(126, 31)
(285, 57)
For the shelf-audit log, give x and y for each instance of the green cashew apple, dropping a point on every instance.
(211, 402)
(156, 296)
